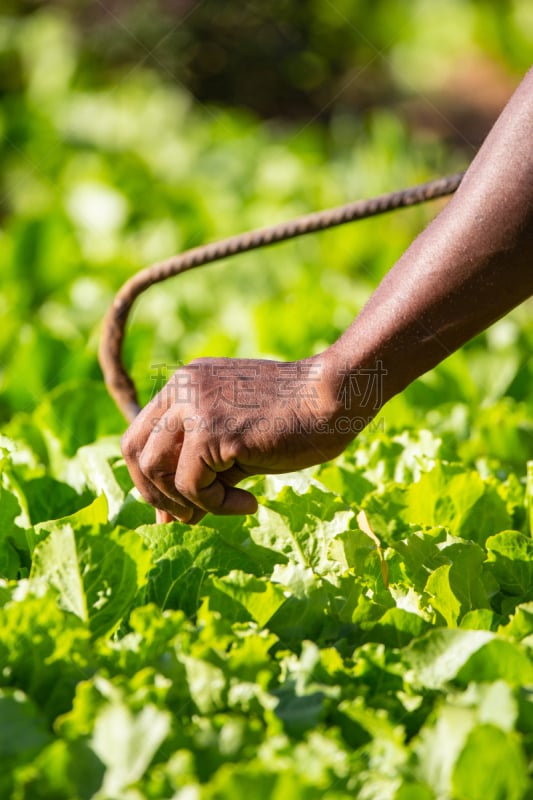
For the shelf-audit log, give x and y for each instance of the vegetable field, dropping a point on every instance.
(369, 633)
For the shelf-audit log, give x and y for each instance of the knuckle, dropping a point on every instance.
(242, 450)
(212, 497)
(128, 445)
(152, 497)
(239, 449)
(181, 487)
(209, 498)
(155, 498)
(148, 464)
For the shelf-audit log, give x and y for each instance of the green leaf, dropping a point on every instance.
(56, 559)
(439, 744)
(510, 555)
(529, 495)
(420, 556)
(184, 556)
(437, 657)
(63, 770)
(43, 650)
(304, 614)
(228, 545)
(448, 732)
(396, 628)
(497, 703)
(97, 464)
(10, 564)
(76, 414)
(371, 727)
(134, 513)
(457, 587)
(254, 780)
(301, 526)
(385, 510)
(260, 598)
(445, 655)
(442, 597)
(49, 499)
(521, 623)
(97, 576)
(414, 791)
(480, 619)
(356, 550)
(459, 500)
(498, 660)
(346, 480)
(299, 712)
(491, 766)
(22, 731)
(126, 742)
(250, 659)
(92, 516)
(207, 684)
(9, 511)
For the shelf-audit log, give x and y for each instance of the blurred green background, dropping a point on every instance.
(131, 131)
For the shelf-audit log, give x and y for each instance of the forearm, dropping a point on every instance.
(467, 269)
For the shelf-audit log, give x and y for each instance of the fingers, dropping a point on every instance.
(229, 478)
(174, 470)
(178, 482)
(163, 516)
(140, 466)
(192, 481)
(158, 460)
(207, 484)
(180, 510)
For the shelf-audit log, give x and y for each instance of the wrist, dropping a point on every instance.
(352, 390)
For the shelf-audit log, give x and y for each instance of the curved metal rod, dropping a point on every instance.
(119, 383)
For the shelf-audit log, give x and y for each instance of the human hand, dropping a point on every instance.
(218, 421)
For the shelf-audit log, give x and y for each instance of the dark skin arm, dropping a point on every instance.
(220, 420)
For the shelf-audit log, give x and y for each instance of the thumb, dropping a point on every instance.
(199, 482)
